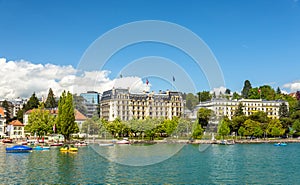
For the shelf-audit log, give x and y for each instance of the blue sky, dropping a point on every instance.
(258, 40)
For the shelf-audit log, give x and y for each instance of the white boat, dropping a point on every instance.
(106, 144)
(225, 142)
(124, 141)
(81, 144)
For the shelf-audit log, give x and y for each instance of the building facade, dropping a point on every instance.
(224, 107)
(92, 101)
(18, 104)
(120, 103)
(16, 130)
(2, 122)
(79, 119)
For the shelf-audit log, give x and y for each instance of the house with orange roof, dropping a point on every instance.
(2, 122)
(79, 119)
(16, 129)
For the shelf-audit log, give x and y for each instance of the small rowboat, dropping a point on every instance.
(18, 149)
(41, 148)
(280, 144)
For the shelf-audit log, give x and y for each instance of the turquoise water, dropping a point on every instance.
(218, 164)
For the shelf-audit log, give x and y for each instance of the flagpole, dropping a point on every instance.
(173, 81)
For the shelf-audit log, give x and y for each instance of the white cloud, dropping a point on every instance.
(22, 78)
(293, 86)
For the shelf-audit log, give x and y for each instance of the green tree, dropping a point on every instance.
(32, 103)
(275, 128)
(254, 93)
(283, 110)
(152, 126)
(227, 91)
(246, 89)
(278, 91)
(50, 101)
(298, 95)
(117, 128)
(170, 125)
(236, 96)
(191, 101)
(252, 128)
(260, 117)
(66, 124)
(237, 122)
(204, 96)
(40, 122)
(20, 115)
(242, 131)
(296, 115)
(296, 127)
(92, 126)
(203, 116)
(239, 110)
(184, 127)
(197, 130)
(267, 92)
(223, 128)
(79, 104)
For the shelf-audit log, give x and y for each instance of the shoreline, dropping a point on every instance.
(243, 141)
(198, 141)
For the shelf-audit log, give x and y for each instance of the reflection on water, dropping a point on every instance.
(234, 164)
(138, 155)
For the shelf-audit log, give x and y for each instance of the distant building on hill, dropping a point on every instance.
(120, 103)
(14, 105)
(224, 107)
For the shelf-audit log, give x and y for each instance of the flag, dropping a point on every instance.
(258, 90)
(173, 79)
(147, 82)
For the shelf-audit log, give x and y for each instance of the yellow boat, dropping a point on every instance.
(68, 149)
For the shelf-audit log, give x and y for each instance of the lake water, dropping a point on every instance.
(217, 164)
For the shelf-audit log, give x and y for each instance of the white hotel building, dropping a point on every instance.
(224, 107)
(125, 105)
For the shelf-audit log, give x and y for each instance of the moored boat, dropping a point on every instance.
(226, 142)
(81, 144)
(56, 144)
(280, 144)
(106, 144)
(41, 148)
(7, 141)
(18, 149)
(124, 141)
(68, 149)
